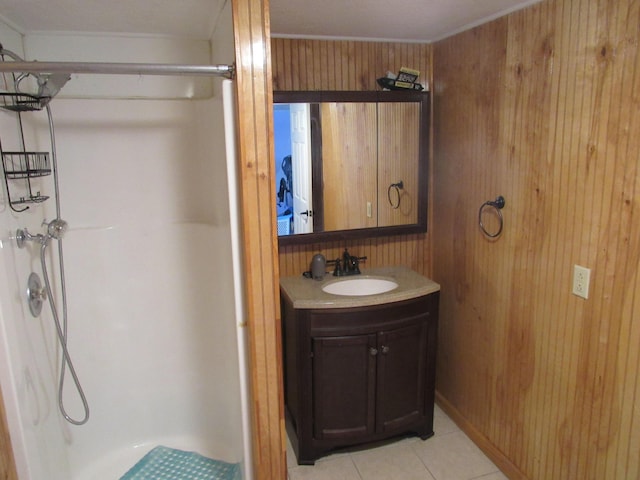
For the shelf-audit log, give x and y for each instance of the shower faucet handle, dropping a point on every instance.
(56, 228)
(23, 236)
(37, 294)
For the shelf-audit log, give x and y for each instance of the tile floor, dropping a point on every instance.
(448, 455)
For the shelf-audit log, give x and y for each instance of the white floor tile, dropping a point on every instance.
(396, 462)
(442, 424)
(291, 456)
(453, 457)
(493, 476)
(338, 468)
(448, 455)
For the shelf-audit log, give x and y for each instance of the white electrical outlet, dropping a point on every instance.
(581, 277)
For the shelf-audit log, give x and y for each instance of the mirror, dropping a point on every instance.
(350, 164)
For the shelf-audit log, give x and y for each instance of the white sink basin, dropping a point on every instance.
(360, 286)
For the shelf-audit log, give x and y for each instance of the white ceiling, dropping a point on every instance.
(184, 18)
(404, 20)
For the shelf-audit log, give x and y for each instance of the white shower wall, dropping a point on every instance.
(149, 285)
(148, 273)
(25, 368)
(148, 263)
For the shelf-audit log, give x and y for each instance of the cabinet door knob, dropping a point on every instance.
(373, 351)
(385, 349)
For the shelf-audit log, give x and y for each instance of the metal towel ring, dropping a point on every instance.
(498, 205)
(397, 186)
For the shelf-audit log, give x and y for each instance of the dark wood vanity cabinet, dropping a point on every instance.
(355, 375)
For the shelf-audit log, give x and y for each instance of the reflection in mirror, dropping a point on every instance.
(292, 138)
(350, 164)
(284, 174)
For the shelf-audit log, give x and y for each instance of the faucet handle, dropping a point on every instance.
(337, 272)
(355, 264)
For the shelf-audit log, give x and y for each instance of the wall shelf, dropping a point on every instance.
(26, 164)
(23, 166)
(21, 102)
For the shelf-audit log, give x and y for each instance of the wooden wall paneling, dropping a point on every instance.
(398, 153)
(349, 150)
(626, 459)
(620, 22)
(545, 350)
(586, 353)
(7, 462)
(255, 151)
(548, 378)
(301, 64)
(526, 97)
(458, 161)
(563, 383)
(406, 250)
(348, 52)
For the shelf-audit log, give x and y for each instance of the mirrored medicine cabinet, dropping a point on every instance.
(350, 164)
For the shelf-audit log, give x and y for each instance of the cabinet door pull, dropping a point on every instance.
(385, 349)
(373, 351)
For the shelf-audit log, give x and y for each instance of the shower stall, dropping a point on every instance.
(149, 289)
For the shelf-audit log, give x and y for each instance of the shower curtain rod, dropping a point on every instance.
(117, 68)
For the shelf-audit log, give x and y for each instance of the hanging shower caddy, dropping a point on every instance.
(24, 165)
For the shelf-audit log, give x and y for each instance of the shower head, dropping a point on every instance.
(56, 228)
(48, 84)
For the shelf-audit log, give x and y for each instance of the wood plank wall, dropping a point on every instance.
(398, 160)
(299, 64)
(7, 462)
(349, 149)
(256, 171)
(542, 107)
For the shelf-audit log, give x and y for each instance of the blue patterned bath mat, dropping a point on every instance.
(163, 463)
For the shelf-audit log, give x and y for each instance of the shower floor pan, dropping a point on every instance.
(118, 463)
(172, 464)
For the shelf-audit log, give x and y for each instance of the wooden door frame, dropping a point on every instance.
(256, 161)
(8, 469)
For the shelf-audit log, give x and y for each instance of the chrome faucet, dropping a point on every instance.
(55, 229)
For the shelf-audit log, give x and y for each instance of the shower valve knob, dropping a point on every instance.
(36, 294)
(40, 295)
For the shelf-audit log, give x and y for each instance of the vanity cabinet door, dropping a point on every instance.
(401, 377)
(344, 382)
(366, 384)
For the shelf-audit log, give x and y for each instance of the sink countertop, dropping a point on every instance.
(307, 293)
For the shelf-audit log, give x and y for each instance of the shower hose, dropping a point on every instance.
(60, 328)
